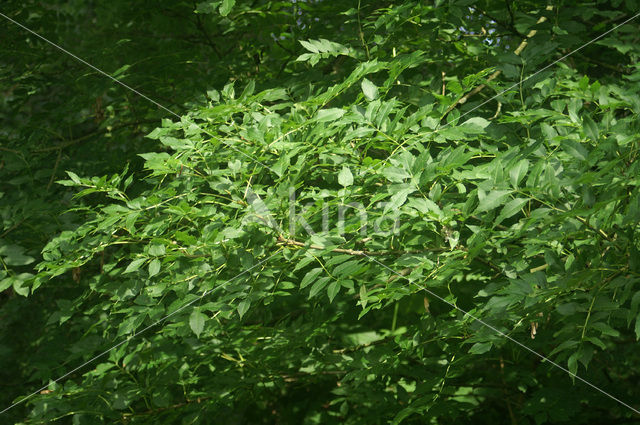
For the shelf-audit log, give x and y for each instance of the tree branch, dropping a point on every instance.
(204, 32)
(493, 76)
(284, 241)
(90, 135)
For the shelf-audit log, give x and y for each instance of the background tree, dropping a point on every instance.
(521, 209)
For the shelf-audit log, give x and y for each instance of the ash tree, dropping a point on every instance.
(349, 212)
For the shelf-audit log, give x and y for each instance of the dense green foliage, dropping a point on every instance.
(337, 171)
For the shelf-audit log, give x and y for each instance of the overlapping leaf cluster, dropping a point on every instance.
(320, 233)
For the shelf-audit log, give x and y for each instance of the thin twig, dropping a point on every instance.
(92, 134)
(207, 38)
(10, 150)
(493, 76)
(10, 229)
(444, 83)
(55, 169)
(284, 241)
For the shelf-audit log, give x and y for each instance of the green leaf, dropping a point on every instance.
(330, 114)
(363, 295)
(119, 73)
(491, 200)
(597, 342)
(310, 277)
(187, 221)
(157, 250)
(333, 289)
(213, 94)
(568, 308)
(74, 177)
(345, 178)
(323, 46)
(369, 89)
(518, 172)
(549, 132)
(318, 286)
(480, 347)
(228, 91)
(120, 400)
(130, 222)
(14, 255)
(511, 208)
(6, 283)
(565, 345)
(154, 267)
(398, 199)
(559, 31)
(620, 45)
(348, 268)
(226, 7)
(309, 46)
(426, 206)
(243, 307)
(475, 124)
(19, 287)
(135, 265)
(584, 81)
(17, 258)
(131, 323)
(395, 174)
(572, 363)
(196, 321)
(605, 329)
(575, 149)
(590, 128)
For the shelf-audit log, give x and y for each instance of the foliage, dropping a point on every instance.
(353, 172)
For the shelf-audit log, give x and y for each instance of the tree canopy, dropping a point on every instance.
(301, 212)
